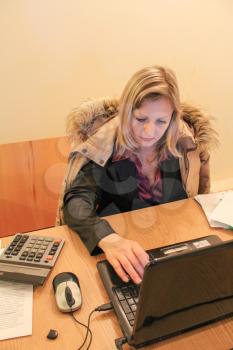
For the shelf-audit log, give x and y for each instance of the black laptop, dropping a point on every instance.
(184, 286)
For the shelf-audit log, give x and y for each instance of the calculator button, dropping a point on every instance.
(49, 257)
(24, 239)
(39, 255)
(48, 239)
(37, 259)
(22, 258)
(8, 251)
(32, 255)
(14, 253)
(17, 238)
(29, 259)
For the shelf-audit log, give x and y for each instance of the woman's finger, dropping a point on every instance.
(140, 253)
(129, 268)
(136, 263)
(118, 268)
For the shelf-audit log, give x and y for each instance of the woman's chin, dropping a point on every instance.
(146, 144)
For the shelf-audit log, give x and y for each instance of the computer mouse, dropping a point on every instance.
(67, 291)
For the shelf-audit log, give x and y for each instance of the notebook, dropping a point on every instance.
(184, 286)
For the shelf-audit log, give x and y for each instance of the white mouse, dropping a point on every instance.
(67, 291)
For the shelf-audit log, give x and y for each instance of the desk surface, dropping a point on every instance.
(151, 227)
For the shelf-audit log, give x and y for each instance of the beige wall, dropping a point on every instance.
(54, 53)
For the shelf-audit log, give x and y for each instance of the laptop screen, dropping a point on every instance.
(184, 292)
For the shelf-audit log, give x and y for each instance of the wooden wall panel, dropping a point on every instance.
(31, 174)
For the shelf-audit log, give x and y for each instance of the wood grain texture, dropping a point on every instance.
(31, 174)
(152, 227)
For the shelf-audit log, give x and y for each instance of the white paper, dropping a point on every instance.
(15, 309)
(224, 211)
(209, 202)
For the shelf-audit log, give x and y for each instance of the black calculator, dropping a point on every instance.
(29, 258)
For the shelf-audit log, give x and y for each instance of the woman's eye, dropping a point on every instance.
(141, 120)
(161, 121)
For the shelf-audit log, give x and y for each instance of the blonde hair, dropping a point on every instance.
(149, 83)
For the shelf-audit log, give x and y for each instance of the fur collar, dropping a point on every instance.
(85, 120)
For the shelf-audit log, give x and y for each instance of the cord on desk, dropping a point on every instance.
(88, 330)
(103, 307)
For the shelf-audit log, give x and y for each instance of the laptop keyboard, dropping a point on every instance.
(128, 298)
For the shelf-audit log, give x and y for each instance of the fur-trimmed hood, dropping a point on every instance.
(92, 129)
(86, 119)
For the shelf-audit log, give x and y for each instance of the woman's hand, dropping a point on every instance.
(127, 257)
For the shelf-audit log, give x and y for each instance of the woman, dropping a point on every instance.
(149, 149)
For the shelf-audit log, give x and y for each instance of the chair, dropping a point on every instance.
(31, 174)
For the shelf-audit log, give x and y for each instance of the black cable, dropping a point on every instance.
(88, 330)
(88, 326)
(103, 307)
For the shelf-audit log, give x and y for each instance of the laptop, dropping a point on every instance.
(184, 286)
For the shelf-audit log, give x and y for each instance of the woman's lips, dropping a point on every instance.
(147, 139)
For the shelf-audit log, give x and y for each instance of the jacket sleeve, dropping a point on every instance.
(204, 181)
(79, 207)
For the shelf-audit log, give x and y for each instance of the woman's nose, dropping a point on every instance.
(149, 129)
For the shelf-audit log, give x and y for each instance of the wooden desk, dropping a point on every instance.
(152, 227)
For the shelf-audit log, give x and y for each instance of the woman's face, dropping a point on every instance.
(150, 121)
